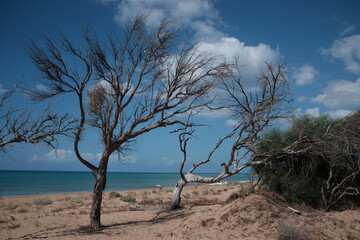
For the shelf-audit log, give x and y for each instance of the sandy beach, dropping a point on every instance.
(209, 212)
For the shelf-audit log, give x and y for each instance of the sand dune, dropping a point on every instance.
(144, 214)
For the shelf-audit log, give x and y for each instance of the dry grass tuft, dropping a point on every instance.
(3, 221)
(22, 210)
(232, 197)
(10, 206)
(195, 193)
(288, 230)
(43, 201)
(186, 195)
(13, 226)
(83, 212)
(203, 201)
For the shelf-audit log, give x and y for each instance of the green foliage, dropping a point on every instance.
(299, 175)
(114, 195)
(128, 199)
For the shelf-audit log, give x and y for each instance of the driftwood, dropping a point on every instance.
(294, 210)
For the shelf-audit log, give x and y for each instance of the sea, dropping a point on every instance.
(17, 183)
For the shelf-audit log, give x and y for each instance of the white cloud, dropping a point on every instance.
(315, 112)
(92, 156)
(221, 113)
(231, 123)
(61, 155)
(129, 159)
(2, 90)
(340, 94)
(169, 161)
(206, 32)
(252, 58)
(347, 49)
(198, 15)
(305, 75)
(107, 1)
(340, 113)
(347, 30)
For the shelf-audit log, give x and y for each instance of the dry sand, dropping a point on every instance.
(206, 215)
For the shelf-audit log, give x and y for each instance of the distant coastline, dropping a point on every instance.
(19, 183)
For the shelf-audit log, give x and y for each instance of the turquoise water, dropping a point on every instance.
(13, 183)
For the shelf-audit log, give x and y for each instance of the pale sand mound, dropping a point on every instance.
(206, 215)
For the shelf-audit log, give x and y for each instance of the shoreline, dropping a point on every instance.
(106, 192)
(134, 189)
(22, 183)
(205, 213)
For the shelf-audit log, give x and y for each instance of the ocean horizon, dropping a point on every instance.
(27, 182)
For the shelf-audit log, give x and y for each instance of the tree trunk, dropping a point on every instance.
(192, 178)
(97, 199)
(177, 194)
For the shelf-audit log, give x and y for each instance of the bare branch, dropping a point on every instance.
(23, 126)
(254, 111)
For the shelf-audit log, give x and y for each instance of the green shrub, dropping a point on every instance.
(300, 175)
(114, 195)
(128, 199)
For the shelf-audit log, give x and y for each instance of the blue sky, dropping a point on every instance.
(318, 40)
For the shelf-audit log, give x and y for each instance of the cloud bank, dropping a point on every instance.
(61, 155)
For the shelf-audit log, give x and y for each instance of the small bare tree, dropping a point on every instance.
(132, 85)
(254, 111)
(21, 126)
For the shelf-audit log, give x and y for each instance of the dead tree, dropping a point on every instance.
(341, 148)
(21, 126)
(254, 111)
(133, 85)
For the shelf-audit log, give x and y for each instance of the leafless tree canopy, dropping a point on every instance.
(254, 110)
(127, 87)
(19, 126)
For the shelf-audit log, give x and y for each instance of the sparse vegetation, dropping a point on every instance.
(43, 201)
(232, 197)
(22, 210)
(196, 193)
(128, 199)
(10, 206)
(82, 212)
(288, 230)
(114, 195)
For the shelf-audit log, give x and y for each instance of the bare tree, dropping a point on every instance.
(132, 85)
(21, 126)
(342, 150)
(254, 111)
